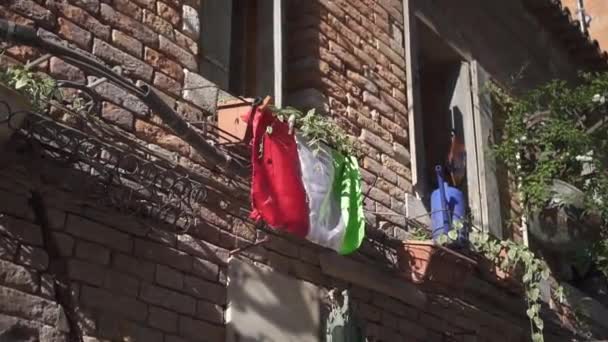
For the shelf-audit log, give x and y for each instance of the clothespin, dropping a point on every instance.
(291, 121)
(248, 118)
(265, 102)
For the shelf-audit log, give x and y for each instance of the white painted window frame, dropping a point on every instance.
(278, 20)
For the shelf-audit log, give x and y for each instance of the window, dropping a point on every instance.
(241, 46)
(444, 90)
(444, 96)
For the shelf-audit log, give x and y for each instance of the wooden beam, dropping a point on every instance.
(370, 277)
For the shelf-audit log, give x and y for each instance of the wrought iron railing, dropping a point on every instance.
(9, 31)
(123, 171)
(128, 175)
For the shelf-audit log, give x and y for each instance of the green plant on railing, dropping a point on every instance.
(514, 259)
(546, 138)
(419, 233)
(38, 87)
(318, 129)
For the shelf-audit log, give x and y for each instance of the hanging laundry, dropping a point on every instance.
(277, 193)
(314, 194)
(335, 201)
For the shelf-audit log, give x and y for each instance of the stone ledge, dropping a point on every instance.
(368, 277)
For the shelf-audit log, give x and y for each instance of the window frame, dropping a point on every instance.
(484, 194)
(210, 65)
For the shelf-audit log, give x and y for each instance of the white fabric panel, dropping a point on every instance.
(318, 172)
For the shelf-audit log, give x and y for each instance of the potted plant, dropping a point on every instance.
(497, 264)
(229, 119)
(21, 91)
(423, 261)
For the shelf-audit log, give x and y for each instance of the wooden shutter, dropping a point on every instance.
(216, 33)
(463, 118)
(484, 135)
(415, 123)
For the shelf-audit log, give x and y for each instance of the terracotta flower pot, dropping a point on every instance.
(508, 279)
(424, 262)
(229, 120)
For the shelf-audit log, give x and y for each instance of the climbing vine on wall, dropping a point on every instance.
(516, 260)
(548, 135)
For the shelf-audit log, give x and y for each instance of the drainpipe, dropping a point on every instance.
(582, 17)
(277, 20)
(9, 31)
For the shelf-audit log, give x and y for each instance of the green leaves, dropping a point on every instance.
(544, 135)
(545, 273)
(318, 129)
(533, 310)
(514, 257)
(539, 323)
(545, 138)
(419, 233)
(512, 253)
(37, 86)
(443, 239)
(533, 294)
(20, 83)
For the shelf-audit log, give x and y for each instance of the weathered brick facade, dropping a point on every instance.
(349, 57)
(134, 279)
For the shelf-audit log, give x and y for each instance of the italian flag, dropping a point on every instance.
(309, 190)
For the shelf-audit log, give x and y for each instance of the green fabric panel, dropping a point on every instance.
(348, 185)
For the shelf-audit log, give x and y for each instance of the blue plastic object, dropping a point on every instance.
(448, 206)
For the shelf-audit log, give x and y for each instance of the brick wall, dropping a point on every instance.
(348, 58)
(128, 278)
(132, 279)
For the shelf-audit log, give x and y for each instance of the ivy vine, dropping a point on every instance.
(547, 137)
(514, 259)
(510, 257)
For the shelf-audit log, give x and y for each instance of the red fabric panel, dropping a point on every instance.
(277, 193)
